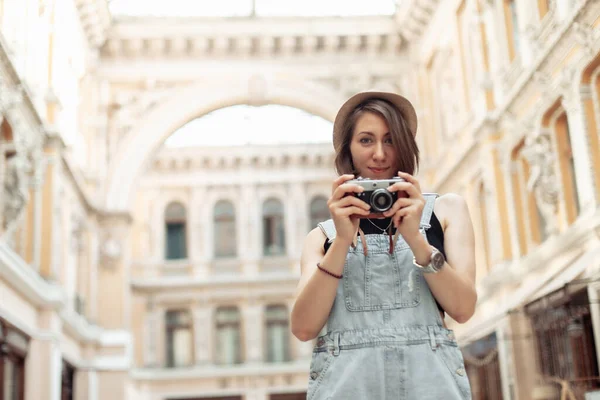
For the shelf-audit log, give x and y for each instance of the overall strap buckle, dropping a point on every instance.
(432, 341)
(336, 344)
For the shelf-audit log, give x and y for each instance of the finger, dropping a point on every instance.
(351, 201)
(344, 189)
(398, 204)
(406, 187)
(399, 216)
(340, 180)
(348, 211)
(408, 177)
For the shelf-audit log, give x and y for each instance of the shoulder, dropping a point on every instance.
(450, 207)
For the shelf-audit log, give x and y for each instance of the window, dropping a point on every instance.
(175, 230)
(512, 28)
(563, 332)
(67, 382)
(179, 338)
(13, 346)
(483, 368)
(273, 229)
(319, 211)
(225, 232)
(228, 336)
(277, 345)
(567, 167)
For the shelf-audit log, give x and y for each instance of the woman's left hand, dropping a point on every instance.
(406, 211)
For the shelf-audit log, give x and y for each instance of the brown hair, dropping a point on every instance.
(402, 139)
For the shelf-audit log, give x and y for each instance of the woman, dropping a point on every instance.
(382, 286)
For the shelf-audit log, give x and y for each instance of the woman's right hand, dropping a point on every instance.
(345, 208)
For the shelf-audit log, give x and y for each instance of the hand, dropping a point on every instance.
(345, 208)
(407, 210)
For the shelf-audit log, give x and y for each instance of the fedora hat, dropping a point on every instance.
(401, 103)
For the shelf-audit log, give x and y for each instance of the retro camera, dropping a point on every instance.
(376, 193)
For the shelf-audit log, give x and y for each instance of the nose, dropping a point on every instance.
(379, 153)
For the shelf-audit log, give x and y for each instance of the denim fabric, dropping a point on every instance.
(385, 338)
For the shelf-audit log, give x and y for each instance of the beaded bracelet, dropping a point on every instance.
(329, 273)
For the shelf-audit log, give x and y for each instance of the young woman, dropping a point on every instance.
(382, 286)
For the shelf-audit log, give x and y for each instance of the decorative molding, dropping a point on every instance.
(239, 39)
(95, 19)
(414, 16)
(27, 282)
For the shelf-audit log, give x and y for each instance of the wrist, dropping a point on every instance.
(421, 249)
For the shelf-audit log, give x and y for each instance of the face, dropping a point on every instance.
(373, 153)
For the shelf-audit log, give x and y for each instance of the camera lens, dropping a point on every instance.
(381, 200)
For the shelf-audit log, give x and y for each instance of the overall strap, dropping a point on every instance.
(428, 210)
(328, 228)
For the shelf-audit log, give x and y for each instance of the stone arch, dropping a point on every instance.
(194, 101)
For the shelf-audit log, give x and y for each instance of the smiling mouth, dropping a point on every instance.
(378, 169)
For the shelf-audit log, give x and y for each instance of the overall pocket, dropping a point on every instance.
(381, 280)
(318, 368)
(454, 361)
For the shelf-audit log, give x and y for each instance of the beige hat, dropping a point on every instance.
(402, 104)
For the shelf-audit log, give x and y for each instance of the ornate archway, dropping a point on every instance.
(194, 101)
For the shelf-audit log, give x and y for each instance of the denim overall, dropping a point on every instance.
(385, 338)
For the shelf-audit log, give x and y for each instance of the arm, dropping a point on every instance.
(454, 285)
(316, 290)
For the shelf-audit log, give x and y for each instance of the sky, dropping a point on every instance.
(311, 8)
(243, 125)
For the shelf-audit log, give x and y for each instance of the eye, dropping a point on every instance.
(365, 140)
(388, 141)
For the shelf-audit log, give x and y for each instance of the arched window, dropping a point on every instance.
(175, 231)
(319, 211)
(273, 228)
(225, 241)
(277, 346)
(228, 336)
(179, 347)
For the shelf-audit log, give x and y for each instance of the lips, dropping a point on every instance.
(378, 170)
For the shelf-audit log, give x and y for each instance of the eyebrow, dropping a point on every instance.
(371, 133)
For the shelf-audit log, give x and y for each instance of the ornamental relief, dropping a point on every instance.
(543, 181)
(22, 167)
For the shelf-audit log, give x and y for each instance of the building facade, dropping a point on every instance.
(133, 271)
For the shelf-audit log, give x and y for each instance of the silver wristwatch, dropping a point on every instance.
(436, 263)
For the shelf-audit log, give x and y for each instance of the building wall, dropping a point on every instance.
(509, 108)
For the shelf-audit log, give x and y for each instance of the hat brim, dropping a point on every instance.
(401, 103)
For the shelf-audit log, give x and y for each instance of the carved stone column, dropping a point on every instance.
(573, 102)
(204, 340)
(198, 231)
(249, 236)
(254, 331)
(151, 326)
(114, 311)
(297, 215)
(44, 360)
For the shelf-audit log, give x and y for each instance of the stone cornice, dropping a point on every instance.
(414, 16)
(278, 156)
(95, 19)
(254, 37)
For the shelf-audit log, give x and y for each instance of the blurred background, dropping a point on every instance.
(162, 161)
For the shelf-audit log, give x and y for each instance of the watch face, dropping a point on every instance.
(437, 260)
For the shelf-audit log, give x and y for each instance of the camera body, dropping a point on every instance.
(376, 194)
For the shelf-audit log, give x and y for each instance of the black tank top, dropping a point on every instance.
(435, 235)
